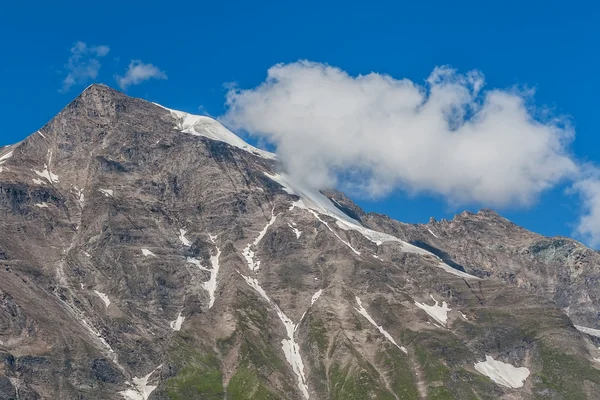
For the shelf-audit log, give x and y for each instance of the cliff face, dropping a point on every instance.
(150, 254)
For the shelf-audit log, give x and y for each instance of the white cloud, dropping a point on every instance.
(374, 134)
(83, 64)
(588, 226)
(139, 72)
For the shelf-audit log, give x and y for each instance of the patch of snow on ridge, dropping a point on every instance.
(332, 231)
(176, 324)
(437, 312)
(6, 157)
(434, 235)
(248, 253)
(502, 373)
(589, 331)
(106, 192)
(183, 239)
(361, 310)
(315, 201)
(38, 181)
(42, 205)
(291, 348)
(104, 298)
(141, 390)
(147, 253)
(199, 125)
(455, 271)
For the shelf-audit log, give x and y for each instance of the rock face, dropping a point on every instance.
(147, 254)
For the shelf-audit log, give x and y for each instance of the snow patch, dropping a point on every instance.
(249, 254)
(502, 373)
(140, 390)
(199, 125)
(92, 330)
(455, 271)
(47, 174)
(147, 253)
(291, 348)
(197, 263)
(361, 310)
(316, 296)
(104, 298)
(183, 239)
(176, 324)
(106, 192)
(463, 315)
(434, 235)
(211, 284)
(437, 312)
(41, 205)
(589, 331)
(6, 157)
(295, 230)
(80, 196)
(38, 181)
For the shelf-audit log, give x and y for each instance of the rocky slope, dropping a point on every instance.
(150, 254)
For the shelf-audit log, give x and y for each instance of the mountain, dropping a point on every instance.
(148, 253)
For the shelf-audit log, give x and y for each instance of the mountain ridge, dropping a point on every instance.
(140, 261)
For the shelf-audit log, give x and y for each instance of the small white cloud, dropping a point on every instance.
(139, 72)
(83, 64)
(588, 226)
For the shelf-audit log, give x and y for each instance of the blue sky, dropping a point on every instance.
(199, 47)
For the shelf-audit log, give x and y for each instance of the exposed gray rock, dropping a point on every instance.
(142, 260)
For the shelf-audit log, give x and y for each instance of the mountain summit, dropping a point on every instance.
(152, 254)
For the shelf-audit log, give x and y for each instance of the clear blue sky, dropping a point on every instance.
(549, 45)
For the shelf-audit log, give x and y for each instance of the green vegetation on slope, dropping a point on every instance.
(199, 376)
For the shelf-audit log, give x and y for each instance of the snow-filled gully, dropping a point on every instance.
(296, 231)
(361, 310)
(211, 284)
(249, 254)
(291, 348)
(183, 239)
(140, 390)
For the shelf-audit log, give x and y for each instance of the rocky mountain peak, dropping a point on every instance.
(148, 254)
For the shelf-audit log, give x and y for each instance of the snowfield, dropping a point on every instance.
(199, 125)
(502, 373)
(437, 312)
